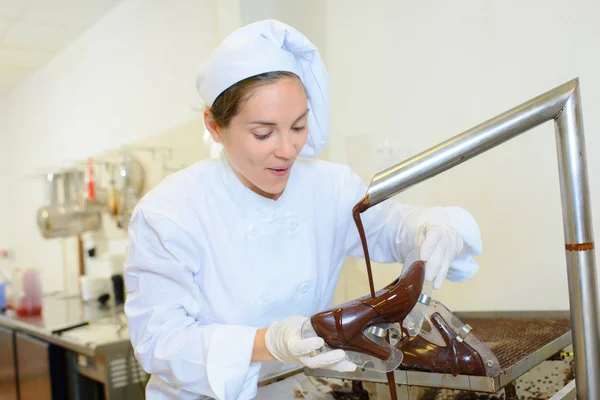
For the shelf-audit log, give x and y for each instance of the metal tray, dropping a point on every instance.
(520, 340)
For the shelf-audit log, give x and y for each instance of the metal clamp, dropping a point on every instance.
(463, 332)
(424, 299)
(377, 331)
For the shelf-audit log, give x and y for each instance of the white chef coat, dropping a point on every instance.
(210, 262)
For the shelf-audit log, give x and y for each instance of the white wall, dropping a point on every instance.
(418, 73)
(130, 76)
(5, 162)
(409, 74)
(307, 16)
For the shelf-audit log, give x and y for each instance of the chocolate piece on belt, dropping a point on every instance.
(456, 357)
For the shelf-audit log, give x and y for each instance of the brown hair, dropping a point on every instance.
(229, 103)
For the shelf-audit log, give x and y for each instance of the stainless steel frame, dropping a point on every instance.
(482, 384)
(563, 105)
(33, 368)
(8, 371)
(566, 393)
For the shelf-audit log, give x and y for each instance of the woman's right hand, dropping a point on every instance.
(283, 339)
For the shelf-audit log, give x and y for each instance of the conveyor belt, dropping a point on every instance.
(513, 339)
(520, 341)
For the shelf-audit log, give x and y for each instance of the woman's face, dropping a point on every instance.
(264, 139)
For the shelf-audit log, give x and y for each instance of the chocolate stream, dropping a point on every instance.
(362, 206)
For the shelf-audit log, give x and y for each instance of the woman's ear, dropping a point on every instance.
(211, 125)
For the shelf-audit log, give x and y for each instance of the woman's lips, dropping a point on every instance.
(279, 171)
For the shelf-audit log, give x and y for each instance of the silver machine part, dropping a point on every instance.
(51, 189)
(424, 299)
(464, 332)
(563, 105)
(377, 331)
(566, 393)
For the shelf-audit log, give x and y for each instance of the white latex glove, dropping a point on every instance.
(284, 341)
(439, 244)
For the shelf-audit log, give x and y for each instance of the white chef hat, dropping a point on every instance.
(268, 46)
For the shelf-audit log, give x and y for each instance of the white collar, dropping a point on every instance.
(248, 200)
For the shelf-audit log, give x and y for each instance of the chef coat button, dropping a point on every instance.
(293, 226)
(303, 287)
(253, 231)
(263, 297)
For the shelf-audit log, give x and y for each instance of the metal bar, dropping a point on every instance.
(579, 243)
(563, 105)
(547, 314)
(265, 381)
(51, 191)
(469, 144)
(566, 393)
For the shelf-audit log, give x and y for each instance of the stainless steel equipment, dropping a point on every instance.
(520, 340)
(112, 365)
(77, 211)
(562, 105)
(130, 175)
(129, 184)
(566, 393)
(33, 364)
(8, 373)
(88, 347)
(67, 218)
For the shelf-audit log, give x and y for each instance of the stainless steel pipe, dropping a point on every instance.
(563, 105)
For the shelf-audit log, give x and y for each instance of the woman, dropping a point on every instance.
(229, 257)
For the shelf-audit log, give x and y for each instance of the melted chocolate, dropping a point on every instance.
(419, 354)
(343, 326)
(455, 358)
(359, 208)
(357, 392)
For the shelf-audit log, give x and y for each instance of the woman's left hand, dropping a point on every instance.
(439, 244)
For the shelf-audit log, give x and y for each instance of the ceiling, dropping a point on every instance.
(32, 32)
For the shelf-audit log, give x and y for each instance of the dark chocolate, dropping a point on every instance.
(455, 358)
(343, 326)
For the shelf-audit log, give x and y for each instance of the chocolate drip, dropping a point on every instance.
(356, 211)
(360, 207)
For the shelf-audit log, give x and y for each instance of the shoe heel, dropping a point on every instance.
(388, 358)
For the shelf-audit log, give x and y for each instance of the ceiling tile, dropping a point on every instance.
(24, 58)
(38, 36)
(73, 13)
(10, 9)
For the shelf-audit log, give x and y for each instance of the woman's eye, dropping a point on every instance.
(299, 128)
(262, 137)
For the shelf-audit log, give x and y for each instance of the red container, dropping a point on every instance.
(27, 295)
